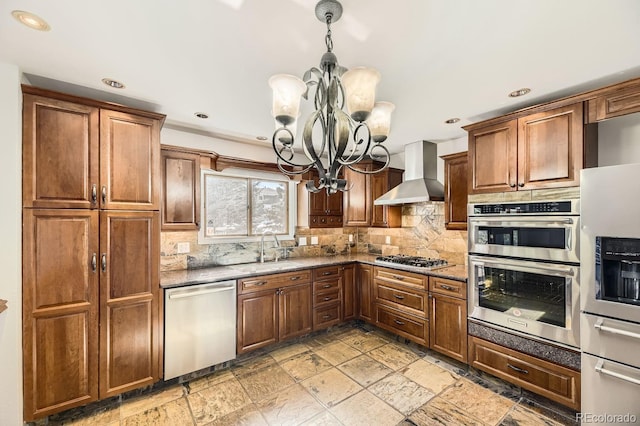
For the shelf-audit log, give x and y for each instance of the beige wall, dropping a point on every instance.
(10, 246)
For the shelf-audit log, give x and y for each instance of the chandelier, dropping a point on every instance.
(344, 139)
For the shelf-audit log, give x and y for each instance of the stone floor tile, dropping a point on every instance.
(479, 402)
(393, 356)
(365, 370)
(438, 412)
(292, 406)
(520, 416)
(364, 409)
(107, 416)
(147, 402)
(216, 402)
(198, 384)
(401, 393)
(305, 365)
(246, 416)
(263, 383)
(331, 387)
(323, 419)
(174, 413)
(337, 353)
(253, 364)
(429, 375)
(364, 342)
(286, 352)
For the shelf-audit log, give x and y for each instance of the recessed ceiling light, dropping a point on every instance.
(30, 20)
(452, 120)
(519, 92)
(202, 115)
(113, 83)
(262, 138)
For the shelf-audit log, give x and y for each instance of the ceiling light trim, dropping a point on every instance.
(31, 20)
(114, 84)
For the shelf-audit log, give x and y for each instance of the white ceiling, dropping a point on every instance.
(438, 58)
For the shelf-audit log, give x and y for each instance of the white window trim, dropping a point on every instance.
(249, 173)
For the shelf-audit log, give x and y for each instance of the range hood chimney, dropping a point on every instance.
(420, 177)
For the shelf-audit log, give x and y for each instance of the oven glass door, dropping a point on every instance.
(533, 297)
(543, 238)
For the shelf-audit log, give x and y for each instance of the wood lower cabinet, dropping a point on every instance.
(327, 296)
(181, 191)
(272, 308)
(455, 190)
(541, 150)
(553, 381)
(350, 297)
(364, 277)
(448, 317)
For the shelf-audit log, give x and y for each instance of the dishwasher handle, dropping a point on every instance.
(210, 290)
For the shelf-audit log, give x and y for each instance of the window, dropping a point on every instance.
(243, 204)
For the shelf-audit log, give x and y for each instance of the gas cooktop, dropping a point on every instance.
(426, 263)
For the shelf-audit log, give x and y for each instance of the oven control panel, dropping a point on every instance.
(535, 207)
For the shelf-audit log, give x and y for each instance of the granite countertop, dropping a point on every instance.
(170, 279)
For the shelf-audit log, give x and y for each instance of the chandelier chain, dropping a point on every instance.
(327, 39)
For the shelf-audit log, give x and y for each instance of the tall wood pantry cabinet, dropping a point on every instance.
(91, 248)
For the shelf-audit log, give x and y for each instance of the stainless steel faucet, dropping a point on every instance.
(262, 244)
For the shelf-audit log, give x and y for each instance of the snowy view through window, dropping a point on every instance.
(237, 206)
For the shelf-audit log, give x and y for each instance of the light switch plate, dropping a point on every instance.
(314, 240)
(302, 241)
(183, 248)
(387, 240)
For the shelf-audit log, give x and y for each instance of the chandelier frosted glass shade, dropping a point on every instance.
(287, 90)
(331, 138)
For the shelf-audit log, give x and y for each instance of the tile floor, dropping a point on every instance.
(350, 375)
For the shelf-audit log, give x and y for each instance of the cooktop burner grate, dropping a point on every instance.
(414, 261)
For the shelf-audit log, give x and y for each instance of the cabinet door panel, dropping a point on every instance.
(60, 310)
(448, 328)
(358, 199)
(257, 320)
(129, 161)
(129, 284)
(349, 293)
(295, 311)
(455, 190)
(60, 153)
(365, 286)
(550, 148)
(181, 190)
(493, 157)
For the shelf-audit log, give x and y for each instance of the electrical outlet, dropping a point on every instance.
(183, 248)
(387, 240)
(302, 241)
(314, 240)
(350, 238)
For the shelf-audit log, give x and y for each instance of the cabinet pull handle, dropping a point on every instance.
(104, 194)
(258, 283)
(94, 262)
(447, 287)
(326, 286)
(296, 278)
(104, 262)
(398, 277)
(326, 299)
(518, 369)
(327, 273)
(398, 322)
(513, 185)
(521, 185)
(397, 296)
(94, 194)
(326, 316)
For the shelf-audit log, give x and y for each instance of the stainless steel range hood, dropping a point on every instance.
(420, 177)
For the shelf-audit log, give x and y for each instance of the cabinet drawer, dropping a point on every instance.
(416, 302)
(326, 316)
(327, 272)
(543, 377)
(448, 287)
(326, 297)
(413, 328)
(401, 277)
(326, 285)
(264, 282)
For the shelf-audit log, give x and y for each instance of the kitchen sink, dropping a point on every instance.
(266, 267)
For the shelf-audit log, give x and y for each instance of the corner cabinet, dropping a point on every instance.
(359, 209)
(455, 190)
(541, 150)
(91, 250)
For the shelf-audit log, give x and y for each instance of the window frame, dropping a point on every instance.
(248, 174)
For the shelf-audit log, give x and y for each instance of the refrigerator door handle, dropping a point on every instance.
(600, 327)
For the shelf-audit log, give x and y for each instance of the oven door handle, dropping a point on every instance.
(551, 269)
(600, 327)
(486, 221)
(600, 369)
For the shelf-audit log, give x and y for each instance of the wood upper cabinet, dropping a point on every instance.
(60, 153)
(325, 211)
(129, 161)
(364, 277)
(615, 102)
(359, 209)
(540, 150)
(60, 310)
(455, 190)
(181, 191)
(129, 276)
(79, 153)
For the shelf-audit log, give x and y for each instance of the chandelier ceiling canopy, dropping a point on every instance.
(342, 138)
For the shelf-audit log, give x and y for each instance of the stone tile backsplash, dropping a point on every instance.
(422, 234)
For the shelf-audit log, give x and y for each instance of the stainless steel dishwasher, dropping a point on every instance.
(199, 327)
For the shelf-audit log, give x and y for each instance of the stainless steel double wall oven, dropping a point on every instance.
(524, 267)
